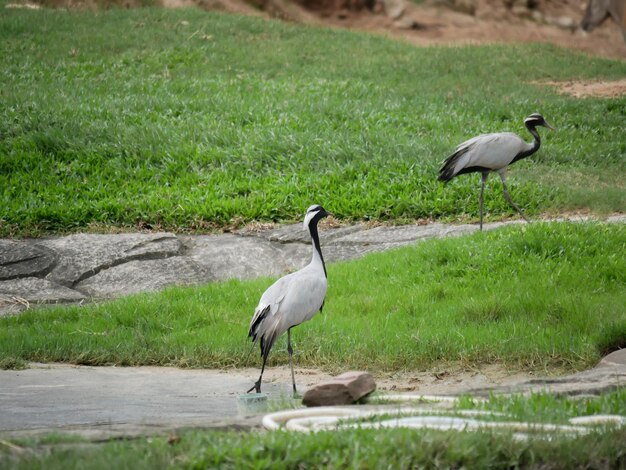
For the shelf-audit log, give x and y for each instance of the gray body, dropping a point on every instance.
(493, 152)
(291, 300)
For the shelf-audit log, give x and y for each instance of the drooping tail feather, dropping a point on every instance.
(447, 170)
(268, 333)
(258, 317)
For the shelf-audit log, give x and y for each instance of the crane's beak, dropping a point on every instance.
(549, 126)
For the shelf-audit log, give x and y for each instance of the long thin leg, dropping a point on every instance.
(508, 197)
(290, 351)
(482, 191)
(257, 385)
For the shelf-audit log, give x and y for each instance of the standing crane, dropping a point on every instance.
(493, 152)
(291, 300)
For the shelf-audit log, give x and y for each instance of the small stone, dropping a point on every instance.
(394, 8)
(537, 16)
(344, 389)
(564, 22)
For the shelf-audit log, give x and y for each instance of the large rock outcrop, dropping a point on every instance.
(82, 267)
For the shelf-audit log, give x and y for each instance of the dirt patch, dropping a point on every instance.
(427, 25)
(433, 22)
(491, 21)
(449, 380)
(580, 89)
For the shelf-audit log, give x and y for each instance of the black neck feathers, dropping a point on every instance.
(536, 143)
(316, 240)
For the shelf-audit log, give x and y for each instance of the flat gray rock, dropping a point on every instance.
(83, 255)
(20, 259)
(104, 402)
(230, 256)
(106, 266)
(141, 276)
(608, 375)
(403, 234)
(16, 294)
(345, 252)
(295, 233)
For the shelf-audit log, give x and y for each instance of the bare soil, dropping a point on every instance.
(454, 379)
(584, 89)
(441, 26)
(426, 24)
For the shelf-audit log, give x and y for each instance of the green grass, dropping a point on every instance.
(536, 408)
(359, 449)
(548, 408)
(353, 449)
(189, 120)
(541, 297)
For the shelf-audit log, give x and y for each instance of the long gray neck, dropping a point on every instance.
(533, 148)
(317, 250)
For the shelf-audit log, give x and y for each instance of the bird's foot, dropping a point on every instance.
(256, 387)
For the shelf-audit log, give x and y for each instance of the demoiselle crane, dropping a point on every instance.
(493, 152)
(291, 300)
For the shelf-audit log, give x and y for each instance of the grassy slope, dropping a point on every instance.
(535, 296)
(186, 120)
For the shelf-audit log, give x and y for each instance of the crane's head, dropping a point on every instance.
(314, 214)
(535, 120)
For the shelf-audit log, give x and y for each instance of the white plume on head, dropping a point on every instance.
(310, 213)
(537, 119)
(534, 117)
